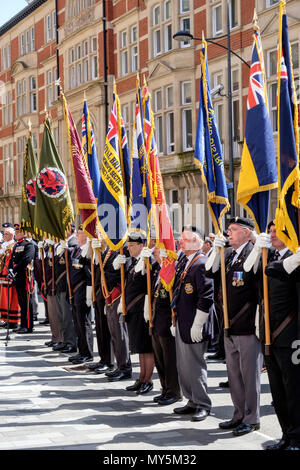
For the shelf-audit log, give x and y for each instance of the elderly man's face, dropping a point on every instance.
(276, 242)
(188, 242)
(81, 238)
(135, 248)
(237, 235)
(7, 235)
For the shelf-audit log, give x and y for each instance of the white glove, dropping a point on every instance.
(163, 253)
(140, 266)
(120, 307)
(262, 241)
(63, 245)
(50, 242)
(86, 250)
(197, 326)
(146, 252)
(292, 262)
(173, 330)
(120, 259)
(213, 261)
(96, 243)
(89, 296)
(40, 245)
(146, 309)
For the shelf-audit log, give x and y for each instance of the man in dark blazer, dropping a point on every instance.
(23, 254)
(243, 350)
(193, 301)
(283, 360)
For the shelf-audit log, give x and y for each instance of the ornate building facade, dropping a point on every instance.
(68, 37)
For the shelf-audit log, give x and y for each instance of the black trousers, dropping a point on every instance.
(25, 302)
(102, 334)
(165, 362)
(284, 378)
(83, 328)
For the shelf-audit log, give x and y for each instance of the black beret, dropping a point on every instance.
(242, 221)
(7, 224)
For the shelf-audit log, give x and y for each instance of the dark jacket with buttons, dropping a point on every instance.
(22, 254)
(284, 300)
(80, 274)
(161, 305)
(242, 292)
(196, 292)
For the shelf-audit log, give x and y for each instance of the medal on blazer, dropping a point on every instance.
(163, 294)
(238, 279)
(188, 288)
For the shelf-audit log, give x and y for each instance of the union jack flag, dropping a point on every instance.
(256, 92)
(115, 182)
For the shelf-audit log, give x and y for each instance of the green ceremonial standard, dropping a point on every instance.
(54, 210)
(28, 199)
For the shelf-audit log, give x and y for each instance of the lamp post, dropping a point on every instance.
(186, 35)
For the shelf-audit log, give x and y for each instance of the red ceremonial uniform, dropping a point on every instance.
(9, 308)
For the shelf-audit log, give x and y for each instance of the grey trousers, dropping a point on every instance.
(119, 336)
(192, 372)
(53, 318)
(65, 318)
(244, 361)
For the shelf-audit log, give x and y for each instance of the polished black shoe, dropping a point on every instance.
(200, 414)
(101, 369)
(280, 445)
(111, 373)
(59, 346)
(144, 388)
(245, 429)
(119, 376)
(24, 331)
(50, 344)
(231, 424)
(184, 410)
(73, 358)
(224, 384)
(136, 386)
(44, 322)
(94, 365)
(158, 397)
(82, 359)
(164, 401)
(68, 349)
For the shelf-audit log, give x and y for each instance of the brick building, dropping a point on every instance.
(66, 37)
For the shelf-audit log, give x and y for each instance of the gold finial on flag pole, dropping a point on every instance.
(29, 126)
(255, 18)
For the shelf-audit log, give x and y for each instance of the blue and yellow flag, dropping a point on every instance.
(286, 220)
(89, 150)
(258, 167)
(208, 151)
(115, 181)
(140, 188)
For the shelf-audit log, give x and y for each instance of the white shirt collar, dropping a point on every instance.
(282, 252)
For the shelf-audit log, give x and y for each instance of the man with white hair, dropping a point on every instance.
(193, 302)
(243, 349)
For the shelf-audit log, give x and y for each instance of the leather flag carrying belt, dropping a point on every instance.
(60, 277)
(239, 314)
(133, 302)
(282, 326)
(81, 283)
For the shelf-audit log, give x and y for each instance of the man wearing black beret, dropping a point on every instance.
(243, 349)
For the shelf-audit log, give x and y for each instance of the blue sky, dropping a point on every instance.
(11, 8)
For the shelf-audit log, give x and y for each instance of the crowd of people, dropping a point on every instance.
(169, 333)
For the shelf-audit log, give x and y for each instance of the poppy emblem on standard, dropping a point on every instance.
(52, 182)
(30, 191)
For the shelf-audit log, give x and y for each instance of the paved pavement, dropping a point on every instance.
(43, 406)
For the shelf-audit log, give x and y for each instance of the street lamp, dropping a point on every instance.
(187, 36)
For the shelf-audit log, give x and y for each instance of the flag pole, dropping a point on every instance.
(224, 293)
(266, 303)
(93, 275)
(68, 277)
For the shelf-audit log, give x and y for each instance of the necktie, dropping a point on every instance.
(230, 258)
(276, 255)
